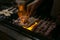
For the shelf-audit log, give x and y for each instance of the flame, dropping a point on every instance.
(32, 26)
(24, 15)
(21, 8)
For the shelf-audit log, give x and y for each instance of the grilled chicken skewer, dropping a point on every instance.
(7, 12)
(53, 25)
(46, 26)
(38, 28)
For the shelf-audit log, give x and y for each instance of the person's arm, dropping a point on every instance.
(31, 7)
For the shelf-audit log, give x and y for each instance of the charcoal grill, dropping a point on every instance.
(7, 21)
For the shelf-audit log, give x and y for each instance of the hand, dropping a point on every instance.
(31, 7)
